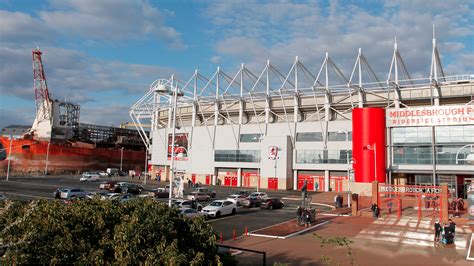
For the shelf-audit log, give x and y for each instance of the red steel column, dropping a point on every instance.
(368, 144)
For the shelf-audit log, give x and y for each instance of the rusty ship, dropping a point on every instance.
(57, 143)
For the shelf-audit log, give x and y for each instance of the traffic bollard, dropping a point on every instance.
(220, 238)
(246, 231)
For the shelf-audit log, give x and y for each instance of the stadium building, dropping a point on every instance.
(274, 130)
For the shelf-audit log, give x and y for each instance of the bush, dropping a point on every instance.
(140, 231)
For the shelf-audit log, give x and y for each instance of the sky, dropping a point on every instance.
(104, 54)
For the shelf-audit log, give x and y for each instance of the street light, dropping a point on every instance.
(469, 158)
(47, 158)
(163, 89)
(121, 158)
(9, 155)
(348, 167)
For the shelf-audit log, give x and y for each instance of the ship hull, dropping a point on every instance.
(33, 156)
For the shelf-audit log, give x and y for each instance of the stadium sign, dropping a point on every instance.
(430, 116)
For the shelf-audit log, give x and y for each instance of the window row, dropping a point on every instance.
(444, 134)
(323, 156)
(241, 156)
(423, 155)
(318, 136)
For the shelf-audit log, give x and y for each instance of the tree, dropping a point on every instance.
(140, 231)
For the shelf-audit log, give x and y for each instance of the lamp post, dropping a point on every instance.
(9, 155)
(348, 168)
(469, 158)
(121, 158)
(47, 159)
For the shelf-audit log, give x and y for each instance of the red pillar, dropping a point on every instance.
(368, 144)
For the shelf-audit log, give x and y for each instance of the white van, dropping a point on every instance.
(112, 171)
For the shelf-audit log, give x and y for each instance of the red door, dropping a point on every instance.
(193, 178)
(234, 181)
(208, 179)
(320, 183)
(227, 181)
(309, 182)
(246, 181)
(273, 183)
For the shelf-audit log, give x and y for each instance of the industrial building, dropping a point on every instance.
(276, 130)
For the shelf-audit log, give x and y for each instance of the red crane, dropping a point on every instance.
(43, 101)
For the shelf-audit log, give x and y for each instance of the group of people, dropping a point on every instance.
(447, 232)
(338, 199)
(192, 184)
(303, 216)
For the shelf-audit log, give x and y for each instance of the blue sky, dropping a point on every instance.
(103, 54)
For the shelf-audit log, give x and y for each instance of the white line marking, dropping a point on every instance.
(24, 195)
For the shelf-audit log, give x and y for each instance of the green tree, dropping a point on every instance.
(140, 231)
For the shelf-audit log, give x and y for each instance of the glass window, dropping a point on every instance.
(244, 156)
(401, 135)
(447, 154)
(412, 155)
(309, 136)
(339, 136)
(323, 156)
(250, 137)
(455, 134)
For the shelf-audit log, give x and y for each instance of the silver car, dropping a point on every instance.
(70, 193)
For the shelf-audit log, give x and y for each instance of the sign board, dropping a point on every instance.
(272, 152)
(430, 116)
(409, 189)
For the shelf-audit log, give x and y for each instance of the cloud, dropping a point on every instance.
(17, 116)
(20, 27)
(280, 30)
(111, 21)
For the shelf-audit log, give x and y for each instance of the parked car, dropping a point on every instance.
(89, 176)
(112, 171)
(220, 207)
(107, 185)
(70, 193)
(205, 190)
(243, 192)
(159, 193)
(182, 203)
(124, 187)
(103, 173)
(190, 213)
(198, 196)
(272, 203)
(118, 197)
(259, 195)
(91, 195)
(238, 199)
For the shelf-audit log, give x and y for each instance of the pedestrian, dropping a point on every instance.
(316, 186)
(452, 227)
(299, 214)
(307, 220)
(340, 199)
(335, 201)
(190, 183)
(375, 210)
(437, 227)
(389, 206)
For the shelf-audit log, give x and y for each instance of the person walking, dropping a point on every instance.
(299, 214)
(389, 206)
(316, 186)
(437, 227)
(375, 210)
(339, 201)
(307, 220)
(452, 227)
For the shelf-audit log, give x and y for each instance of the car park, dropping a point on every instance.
(272, 203)
(198, 196)
(124, 187)
(205, 190)
(89, 176)
(238, 199)
(191, 213)
(159, 193)
(182, 203)
(220, 207)
(108, 185)
(70, 193)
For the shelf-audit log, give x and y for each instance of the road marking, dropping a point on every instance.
(222, 218)
(28, 183)
(24, 195)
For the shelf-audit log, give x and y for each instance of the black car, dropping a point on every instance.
(272, 203)
(124, 187)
